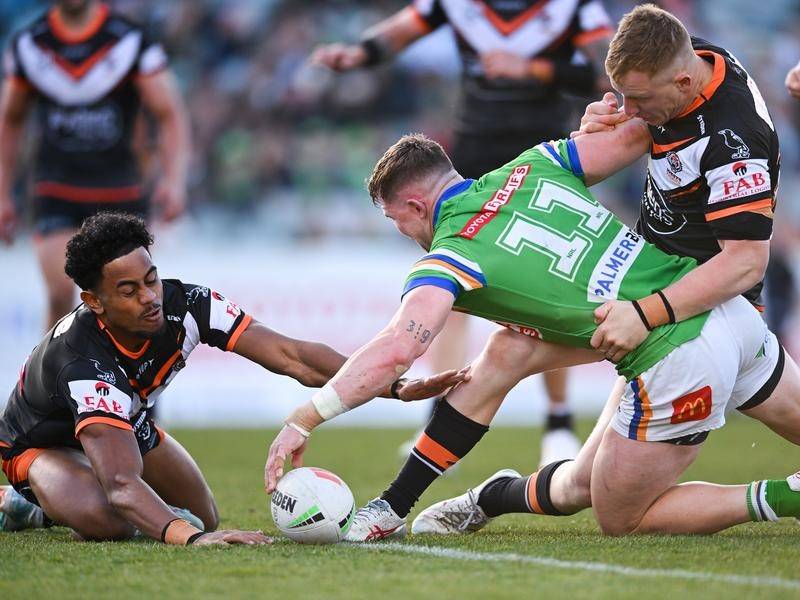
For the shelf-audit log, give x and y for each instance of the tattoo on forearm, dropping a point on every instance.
(419, 332)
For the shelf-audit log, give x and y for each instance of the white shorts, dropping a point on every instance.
(736, 362)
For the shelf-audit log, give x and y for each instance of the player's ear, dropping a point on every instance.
(91, 300)
(417, 206)
(683, 81)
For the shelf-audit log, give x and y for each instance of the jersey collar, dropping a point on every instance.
(453, 190)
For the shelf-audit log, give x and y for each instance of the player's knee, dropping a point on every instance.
(506, 349)
(615, 527)
(210, 517)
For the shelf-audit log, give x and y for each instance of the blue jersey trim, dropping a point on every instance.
(574, 158)
(440, 282)
(638, 413)
(453, 190)
(554, 153)
(458, 265)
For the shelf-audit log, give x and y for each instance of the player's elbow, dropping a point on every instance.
(403, 351)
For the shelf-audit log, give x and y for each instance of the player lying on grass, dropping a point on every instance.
(77, 438)
(527, 245)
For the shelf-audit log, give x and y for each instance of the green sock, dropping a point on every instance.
(771, 499)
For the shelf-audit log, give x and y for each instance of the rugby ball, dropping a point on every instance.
(312, 506)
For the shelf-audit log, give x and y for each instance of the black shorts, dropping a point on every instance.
(475, 155)
(54, 214)
(148, 436)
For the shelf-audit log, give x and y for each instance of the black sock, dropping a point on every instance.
(448, 437)
(521, 494)
(559, 421)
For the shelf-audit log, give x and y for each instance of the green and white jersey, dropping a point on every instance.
(529, 247)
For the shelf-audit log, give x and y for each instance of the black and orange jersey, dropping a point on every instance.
(80, 375)
(552, 29)
(713, 170)
(86, 102)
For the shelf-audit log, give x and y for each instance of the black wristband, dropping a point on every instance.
(395, 385)
(164, 531)
(193, 537)
(375, 51)
(667, 305)
(641, 315)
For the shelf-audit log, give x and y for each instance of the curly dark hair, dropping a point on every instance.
(102, 238)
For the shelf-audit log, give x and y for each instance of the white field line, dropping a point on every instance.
(597, 567)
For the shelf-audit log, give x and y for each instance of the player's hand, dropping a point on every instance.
(287, 442)
(498, 64)
(603, 115)
(170, 198)
(229, 537)
(435, 385)
(620, 330)
(339, 57)
(793, 81)
(8, 220)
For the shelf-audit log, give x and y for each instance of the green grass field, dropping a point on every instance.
(508, 559)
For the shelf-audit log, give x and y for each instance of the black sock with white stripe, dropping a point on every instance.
(448, 437)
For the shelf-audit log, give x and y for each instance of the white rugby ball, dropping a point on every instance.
(312, 506)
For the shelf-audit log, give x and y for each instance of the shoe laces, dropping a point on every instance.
(373, 509)
(462, 514)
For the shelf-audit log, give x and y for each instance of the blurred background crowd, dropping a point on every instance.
(277, 140)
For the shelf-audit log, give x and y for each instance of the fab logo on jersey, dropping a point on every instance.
(91, 395)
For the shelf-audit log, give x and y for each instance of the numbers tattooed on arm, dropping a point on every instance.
(419, 332)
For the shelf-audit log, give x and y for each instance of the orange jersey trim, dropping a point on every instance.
(647, 412)
(659, 148)
(419, 18)
(103, 421)
(509, 27)
(717, 77)
(85, 194)
(587, 37)
(16, 469)
(78, 71)
(70, 36)
(159, 378)
(434, 451)
(760, 206)
(238, 333)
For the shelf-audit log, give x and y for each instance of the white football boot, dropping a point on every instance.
(16, 513)
(460, 514)
(376, 521)
(559, 444)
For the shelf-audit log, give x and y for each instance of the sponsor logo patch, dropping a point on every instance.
(694, 406)
(736, 143)
(91, 395)
(498, 200)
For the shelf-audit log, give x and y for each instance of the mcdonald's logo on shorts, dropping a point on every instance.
(694, 406)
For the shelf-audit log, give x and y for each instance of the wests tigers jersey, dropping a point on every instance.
(552, 29)
(80, 375)
(86, 102)
(713, 170)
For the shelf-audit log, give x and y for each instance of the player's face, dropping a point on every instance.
(655, 99)
(411, 219)
(131, 295)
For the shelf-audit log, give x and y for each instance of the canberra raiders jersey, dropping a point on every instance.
(713, 170)
(80, 375)
(551, 29)
(86, 102)
(529, 247)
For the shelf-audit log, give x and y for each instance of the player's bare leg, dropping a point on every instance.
(174, 475)
(51, 252)
(70, 494)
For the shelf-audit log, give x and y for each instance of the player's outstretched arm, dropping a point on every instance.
(366, 373)
(604, 153)
(160, 95)
(117, 462)
(313, 364)
(382, 41)
(15, 99)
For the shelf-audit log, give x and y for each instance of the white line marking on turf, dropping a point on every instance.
(439, 552)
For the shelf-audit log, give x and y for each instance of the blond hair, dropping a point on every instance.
(412, 158)
(648, 40)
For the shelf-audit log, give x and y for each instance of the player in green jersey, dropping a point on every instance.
(527, 246)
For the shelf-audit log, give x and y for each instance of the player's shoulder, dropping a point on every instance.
(36, 27)
(120, 24)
